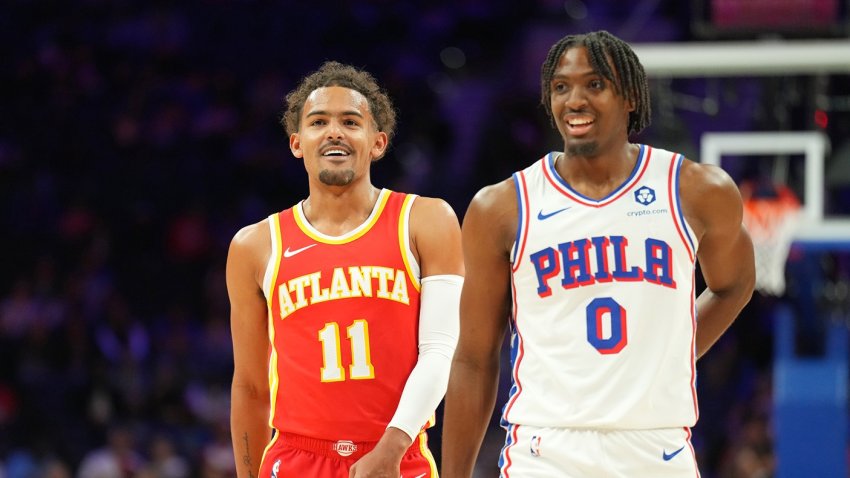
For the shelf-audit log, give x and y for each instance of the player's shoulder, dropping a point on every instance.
(493, 214)
(250, 250)
(708, 194)
(255, 234)
(496, 197)
(431, 210)
(701, 179)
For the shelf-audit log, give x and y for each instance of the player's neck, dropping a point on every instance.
(597, 175)
(336, 210)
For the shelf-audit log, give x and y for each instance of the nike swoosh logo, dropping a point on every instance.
(541, 215)
(668, 457)
(417, 476)
(288, 253)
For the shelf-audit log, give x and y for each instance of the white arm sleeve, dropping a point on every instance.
(439, 326)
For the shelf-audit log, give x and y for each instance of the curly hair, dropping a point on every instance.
(333, 73)
(630, 80)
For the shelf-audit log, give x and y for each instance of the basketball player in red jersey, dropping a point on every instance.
(344, 307)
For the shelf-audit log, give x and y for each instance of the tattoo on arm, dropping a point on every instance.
(246, 458)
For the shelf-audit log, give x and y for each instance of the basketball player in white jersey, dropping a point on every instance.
(588, 257)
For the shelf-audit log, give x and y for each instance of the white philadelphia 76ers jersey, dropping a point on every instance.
(603, 322)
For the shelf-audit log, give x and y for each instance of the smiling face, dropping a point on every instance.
(337, 137)
(590, 115)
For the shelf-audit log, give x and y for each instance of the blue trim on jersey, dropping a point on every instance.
(520, 207)
(679, 203)
(509, 440)
(514, 349)
(638, 164)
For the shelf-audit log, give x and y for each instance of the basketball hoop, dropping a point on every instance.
(771, 217)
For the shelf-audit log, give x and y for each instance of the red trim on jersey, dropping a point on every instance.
(626, 187)
(520, 353)
(526, 209)
(693, 351)
(508, 461)
(671, 197)
(693, 452)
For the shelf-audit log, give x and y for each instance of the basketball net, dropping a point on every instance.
(771, 219)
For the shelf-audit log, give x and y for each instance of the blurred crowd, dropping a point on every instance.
(137, 137)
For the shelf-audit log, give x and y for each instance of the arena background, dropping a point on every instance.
(137, 137)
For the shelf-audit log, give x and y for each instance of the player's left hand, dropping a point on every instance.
(376, 464)
(384, 461)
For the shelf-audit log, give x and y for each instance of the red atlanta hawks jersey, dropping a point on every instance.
(343, 322)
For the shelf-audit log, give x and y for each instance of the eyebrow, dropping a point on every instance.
(325, 113)
(586, 74)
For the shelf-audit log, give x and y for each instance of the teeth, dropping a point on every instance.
(335, 152)
(579, 122)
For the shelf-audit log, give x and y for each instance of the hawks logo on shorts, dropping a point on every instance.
(345, 447)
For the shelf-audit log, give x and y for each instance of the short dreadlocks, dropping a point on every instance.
(604, 51)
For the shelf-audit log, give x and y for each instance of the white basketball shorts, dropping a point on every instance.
(532, 452)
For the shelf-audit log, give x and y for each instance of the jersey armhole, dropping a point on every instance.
(686, 233)
(272, 266)
(522, 219)
(410, 263)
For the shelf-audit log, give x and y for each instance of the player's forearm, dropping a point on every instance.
(469, 404)
(716, 310)
(249, 430)
(438, 331)
(385, 458)
(423, 391)
(393, 444)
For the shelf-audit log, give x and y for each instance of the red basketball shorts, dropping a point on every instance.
(296, 456)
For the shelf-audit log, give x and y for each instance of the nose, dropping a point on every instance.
(576, 98)
(334, 130)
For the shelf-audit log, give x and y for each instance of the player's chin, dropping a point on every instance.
(336, 178)
(581, 147)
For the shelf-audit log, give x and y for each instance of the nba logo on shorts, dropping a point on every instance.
(275, 468)
(535, 445)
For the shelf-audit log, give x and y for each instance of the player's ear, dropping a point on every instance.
(295, 145)
(379, 147)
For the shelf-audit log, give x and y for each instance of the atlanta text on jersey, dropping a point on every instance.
(355, 281)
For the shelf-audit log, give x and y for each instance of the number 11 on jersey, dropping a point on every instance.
(361, 361)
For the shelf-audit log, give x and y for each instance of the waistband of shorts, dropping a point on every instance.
(340, 449)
